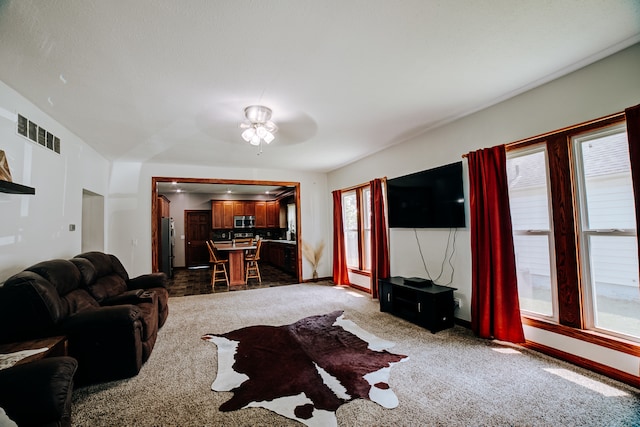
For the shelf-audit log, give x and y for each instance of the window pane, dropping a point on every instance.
(614, 277)
(351, 243)
(367, 250)
(529, 202)
(366, 233)
(350, 209)
(366, 207)
(533, 272)
(607, 182)
(528, 195)
(350, 218)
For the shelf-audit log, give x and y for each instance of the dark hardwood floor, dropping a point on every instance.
(198, 281)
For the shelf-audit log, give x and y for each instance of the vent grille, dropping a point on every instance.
(37, 134)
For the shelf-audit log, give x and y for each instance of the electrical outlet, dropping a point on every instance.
(457, 303)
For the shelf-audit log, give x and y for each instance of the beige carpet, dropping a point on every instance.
(450, 379)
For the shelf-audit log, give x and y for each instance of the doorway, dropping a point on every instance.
(293, 187)
(92, 227)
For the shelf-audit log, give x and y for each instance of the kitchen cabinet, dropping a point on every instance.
(260, 209)
(243, 208)
(267, 214)
(283, 256)
(221, 214)
(273, 214)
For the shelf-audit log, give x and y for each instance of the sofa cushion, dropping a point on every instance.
(105, 264)
(77, 301)
(61, 273)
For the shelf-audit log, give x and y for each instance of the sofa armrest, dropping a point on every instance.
(148, 281)
(104, 320)
(128, 297)
(44, 385)
(106, 341)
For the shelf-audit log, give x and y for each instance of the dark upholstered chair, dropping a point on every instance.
(110, 321)
(38, 393)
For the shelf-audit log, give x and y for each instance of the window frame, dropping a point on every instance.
(571, 317)
(362, 210)
(524, 151)
(585, 231)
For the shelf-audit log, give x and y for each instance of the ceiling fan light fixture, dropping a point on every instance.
(257, 113)
(259, 127)
(248, 134)
(268, 137)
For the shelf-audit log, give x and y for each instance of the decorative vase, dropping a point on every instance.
(314, 276)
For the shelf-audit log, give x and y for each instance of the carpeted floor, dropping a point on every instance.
(198, 281)
(451, 378)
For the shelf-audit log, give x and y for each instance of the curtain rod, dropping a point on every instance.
(353, 187)
(614, 116)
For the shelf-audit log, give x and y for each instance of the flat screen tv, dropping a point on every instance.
(432, 198)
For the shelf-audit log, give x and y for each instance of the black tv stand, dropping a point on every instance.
(419, 301)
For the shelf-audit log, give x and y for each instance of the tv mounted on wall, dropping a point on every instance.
(433, 198)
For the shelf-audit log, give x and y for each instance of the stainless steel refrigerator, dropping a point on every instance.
(166, 246)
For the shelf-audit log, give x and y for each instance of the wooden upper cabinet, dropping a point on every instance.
(250, 208)
(260, 209)
(217, 213)
(273, 214)
(244, 208)
(227, 214)
(238, 208)
(267, 214)
(221, 214)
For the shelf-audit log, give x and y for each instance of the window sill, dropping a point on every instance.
(614, 343)
(360, 272)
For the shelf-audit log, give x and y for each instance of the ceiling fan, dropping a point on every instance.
(258, 127)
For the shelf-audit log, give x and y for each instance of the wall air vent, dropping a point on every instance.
(37, 134)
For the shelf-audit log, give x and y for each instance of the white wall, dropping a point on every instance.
(603, 88)
(36, 227)
(129, 213)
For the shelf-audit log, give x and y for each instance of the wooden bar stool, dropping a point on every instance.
(219, 266)
(251, 259)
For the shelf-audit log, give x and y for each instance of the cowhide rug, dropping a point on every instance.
(305, 370)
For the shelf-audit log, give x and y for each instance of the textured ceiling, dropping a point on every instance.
(167, 81)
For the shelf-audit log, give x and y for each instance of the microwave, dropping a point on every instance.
(246, 221)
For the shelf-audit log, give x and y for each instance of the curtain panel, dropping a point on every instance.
(495, 310)
(340, 272)
(632, 117)
(379, 246)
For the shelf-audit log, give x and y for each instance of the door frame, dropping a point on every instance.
(155, 230)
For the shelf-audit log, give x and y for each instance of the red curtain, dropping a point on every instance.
(340, 272)
(379, 247)
(495, 311)
(632, 116)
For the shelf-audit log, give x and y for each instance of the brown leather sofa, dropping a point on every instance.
(38, 393)
(111, 321)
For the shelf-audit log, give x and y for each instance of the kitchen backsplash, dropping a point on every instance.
(264, 233)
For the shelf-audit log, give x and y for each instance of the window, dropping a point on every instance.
(356, 205)
(527, 173)
(574, 229)
(608, 231)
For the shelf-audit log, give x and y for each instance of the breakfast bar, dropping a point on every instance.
(236, 253)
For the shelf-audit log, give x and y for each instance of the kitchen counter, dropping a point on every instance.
(286, 242)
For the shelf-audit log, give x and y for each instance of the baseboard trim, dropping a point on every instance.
(585, 363)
